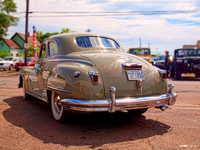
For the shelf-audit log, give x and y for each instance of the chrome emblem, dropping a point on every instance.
(76, 74)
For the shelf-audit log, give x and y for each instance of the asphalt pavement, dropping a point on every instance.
(30, 125)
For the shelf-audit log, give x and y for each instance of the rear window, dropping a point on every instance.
(198, 52)
(88, 42)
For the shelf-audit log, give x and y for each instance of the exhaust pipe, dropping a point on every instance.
(163, 108)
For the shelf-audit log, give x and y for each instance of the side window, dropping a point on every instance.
(52, 48)
(43, 50)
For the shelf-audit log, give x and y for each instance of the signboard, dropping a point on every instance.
(26, 45)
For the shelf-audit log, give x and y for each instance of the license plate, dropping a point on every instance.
(135, 74)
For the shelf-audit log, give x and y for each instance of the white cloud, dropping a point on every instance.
(154, 29)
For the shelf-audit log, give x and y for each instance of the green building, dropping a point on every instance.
(15, 45)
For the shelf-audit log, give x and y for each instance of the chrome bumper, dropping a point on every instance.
(111, 104)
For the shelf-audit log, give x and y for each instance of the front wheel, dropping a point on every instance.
(197, 75)
(137, 112)
(56, 107)
(26, 96)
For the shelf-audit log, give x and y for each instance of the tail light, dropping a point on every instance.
(132, 66)
(93, 76)
(163, 73)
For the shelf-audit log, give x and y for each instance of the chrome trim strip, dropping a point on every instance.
(72, 60)
(57, 89)
(131, 64)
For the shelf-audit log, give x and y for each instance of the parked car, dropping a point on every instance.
(185, 61)
(141, 52)
(153, 60)
(9, 62)
(30, 62)
(87, 72)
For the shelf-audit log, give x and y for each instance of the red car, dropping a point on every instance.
(30, 62)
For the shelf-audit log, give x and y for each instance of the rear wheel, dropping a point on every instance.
(11, 67)
(137, 112)
(57, 109)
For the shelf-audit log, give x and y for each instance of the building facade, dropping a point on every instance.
(15, 45)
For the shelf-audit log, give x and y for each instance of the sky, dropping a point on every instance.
(162, 25)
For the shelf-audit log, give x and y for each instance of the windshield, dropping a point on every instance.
(8, 59)
(185, 52)
(87, 42)
(140, 51)
(161, 58)
(198, 52)
(28, 59)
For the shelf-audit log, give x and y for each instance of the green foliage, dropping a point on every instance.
(4, 54)
(67, 30)
(7, 20)
(30, 52)
(42, 36)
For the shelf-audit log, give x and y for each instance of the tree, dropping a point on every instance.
(30, 52)
(7, 20)
(41, 36)
(66, 30)
(4, 54)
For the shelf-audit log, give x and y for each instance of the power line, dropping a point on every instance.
(129, 13)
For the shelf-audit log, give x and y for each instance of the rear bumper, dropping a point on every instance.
(111, 104)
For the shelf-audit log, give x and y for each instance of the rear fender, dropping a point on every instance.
(70, 86)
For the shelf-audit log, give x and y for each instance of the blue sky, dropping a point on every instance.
(164, 25)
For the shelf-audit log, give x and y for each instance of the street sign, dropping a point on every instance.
(26, 45)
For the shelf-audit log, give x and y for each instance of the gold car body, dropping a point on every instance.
(71, 71)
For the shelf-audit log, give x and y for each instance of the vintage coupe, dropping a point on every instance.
(85, 72)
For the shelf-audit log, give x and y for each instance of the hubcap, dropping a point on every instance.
(57, 103)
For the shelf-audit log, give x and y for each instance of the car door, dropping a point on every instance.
(44, 66)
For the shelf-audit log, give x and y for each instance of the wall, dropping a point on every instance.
(4, 46)
(18, 40)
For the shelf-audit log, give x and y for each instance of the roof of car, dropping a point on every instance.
(67, 42)
(76, 34)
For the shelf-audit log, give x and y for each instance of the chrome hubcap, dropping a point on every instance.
(57, 103)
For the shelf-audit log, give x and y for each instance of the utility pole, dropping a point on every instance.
(26, 32)
(140, 44)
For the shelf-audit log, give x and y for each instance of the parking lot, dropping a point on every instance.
(30, 125)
